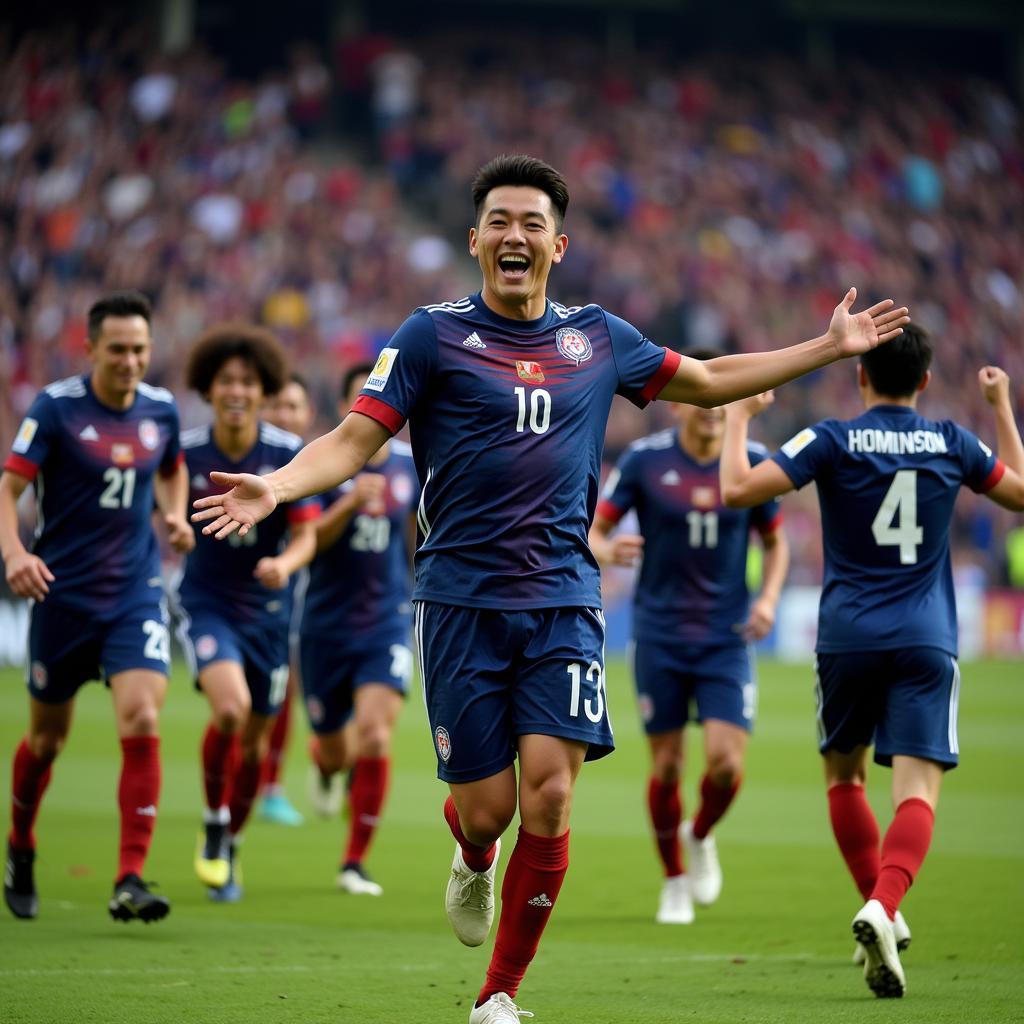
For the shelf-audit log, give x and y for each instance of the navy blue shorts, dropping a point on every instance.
(207, 635)
(67, 648)
(670, 678)
(491, 676)
(330, 677)
(905, 702)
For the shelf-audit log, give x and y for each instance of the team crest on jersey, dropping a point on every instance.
(443, 742)
(646, 706)
(122, 454)
(39, 675)
(382, 369)
(533, 373)
(703, 497)
(401, 488)
(149, 435)
(206, 647)
(26, 432)
(573, 344)
(315, 710)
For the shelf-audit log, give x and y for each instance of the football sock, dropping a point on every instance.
(30, 775)
(477, 858)
(903, 851)
(369, 788)
(138, 795)
(278, 741)
(533, 878)
(243, 793)
(714, 802)
(856, 832)
(220, 754)
(666, 809)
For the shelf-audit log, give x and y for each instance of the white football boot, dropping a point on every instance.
(702, 865)
(902, 932)
(325, 795)
(883, 971)
(676, 904)
(469, 902)
(499, 1009)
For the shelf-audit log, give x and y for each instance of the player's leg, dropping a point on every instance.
(853, 821)
(274, 805)
(327, 696)
(48, 729)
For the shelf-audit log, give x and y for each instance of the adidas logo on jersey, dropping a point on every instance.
(671, 478)
(89, 433)
(473, 341)
(540, 901)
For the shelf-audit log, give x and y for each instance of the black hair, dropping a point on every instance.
(352, 374)
(254, 345)
(897, 368)
(124, 303)
(519, 169)
(297, 378)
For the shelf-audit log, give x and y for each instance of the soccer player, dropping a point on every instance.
(291, 410)
(99, 449)
(355, 639)
(886, 667)
(507, 394)
(692, 622)
(234, 598)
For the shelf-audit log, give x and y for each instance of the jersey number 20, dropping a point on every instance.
(900, 500)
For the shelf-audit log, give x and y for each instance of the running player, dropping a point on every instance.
(291, 410)
(692, 623)
(508, 394)
(887, 672)
(356, 654)
(106, 445)
(235, 599)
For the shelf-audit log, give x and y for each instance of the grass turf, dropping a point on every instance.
(775, 948)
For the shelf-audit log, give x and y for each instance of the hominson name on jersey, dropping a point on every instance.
(895, 442)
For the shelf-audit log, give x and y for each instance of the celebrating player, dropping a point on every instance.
(355, 636)
(508, 394)
(235, 598)
(289, 409)
(887, 634)
(692, 621)
(106, 446)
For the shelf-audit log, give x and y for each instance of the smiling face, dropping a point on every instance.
(120, 356)
(290, 410)
(236, 395)
(516, 241)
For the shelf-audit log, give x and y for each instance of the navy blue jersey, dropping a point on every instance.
(507, 420)
(887, 482)
(93, 468)
(221, 572)
(359, 587)
(692, 585)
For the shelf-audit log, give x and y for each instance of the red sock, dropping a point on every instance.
(856, 832)
(369, 788)
(903, 852)
(220, 756)
(138, 796)
(714, 802)
(243, 793)
(278, 740)
(666, 810)
(477, 858)
(30, 775)
(533, 878)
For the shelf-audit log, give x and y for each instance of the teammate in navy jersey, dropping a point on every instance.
(235, 598)
(291, 410)
(507, 395)
(99, 449)
(887, 672)
(692, 621)
(355, 646)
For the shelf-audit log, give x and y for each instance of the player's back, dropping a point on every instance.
(887, 484)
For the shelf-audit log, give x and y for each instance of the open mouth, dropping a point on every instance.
(513, 265)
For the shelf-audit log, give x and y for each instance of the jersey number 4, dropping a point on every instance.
(900, 500)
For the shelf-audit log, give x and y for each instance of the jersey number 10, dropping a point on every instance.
(540, 410)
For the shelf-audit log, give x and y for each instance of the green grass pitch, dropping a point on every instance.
(775, 948)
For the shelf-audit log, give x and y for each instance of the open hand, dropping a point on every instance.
(995, 385)
(249, 500)
(857, 333)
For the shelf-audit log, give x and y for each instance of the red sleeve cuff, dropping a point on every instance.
(662, 376)
(167, 471)
(22, 466)
(390, 419)
(767, 528)
(303, 513)
(994, 477)
(606, 510)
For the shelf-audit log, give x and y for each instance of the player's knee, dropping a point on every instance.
(484, 824)
(666, 769)
(725, 770)
(46, 745)
(231, 715)
(140, 720)
(373, 738)
(551, 799)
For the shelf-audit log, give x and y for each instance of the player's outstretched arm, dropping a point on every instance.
(713, 382)
(995, 386)
(328, 461)
(27, 574)
(743, 485)
(171, 495)
(622, 549)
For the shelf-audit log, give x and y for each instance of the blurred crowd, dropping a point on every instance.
(715, 201)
